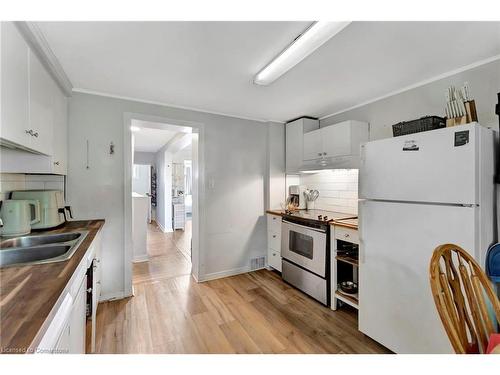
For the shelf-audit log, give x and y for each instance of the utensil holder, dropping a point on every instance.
(310, 205)
(470, 116)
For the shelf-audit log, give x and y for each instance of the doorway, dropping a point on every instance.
(165, 153)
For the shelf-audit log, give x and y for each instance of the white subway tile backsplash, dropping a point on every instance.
(44, 178)
(16, 181)
(34, 185)
(338, 189)
(54, 185)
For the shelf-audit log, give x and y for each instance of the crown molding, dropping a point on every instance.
(40, 46)
(153, 102)
(418, 84)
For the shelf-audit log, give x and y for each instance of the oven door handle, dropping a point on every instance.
(305, 226)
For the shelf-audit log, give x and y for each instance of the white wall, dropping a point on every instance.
(141, 179)
(181, 155)
(235, 164)
(276, 192)
(147, 158)
(484, 82)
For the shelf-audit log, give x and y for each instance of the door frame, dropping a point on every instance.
(198, 176)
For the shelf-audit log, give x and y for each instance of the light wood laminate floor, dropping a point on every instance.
(250, 313)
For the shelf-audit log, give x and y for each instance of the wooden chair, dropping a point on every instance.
(459, 287)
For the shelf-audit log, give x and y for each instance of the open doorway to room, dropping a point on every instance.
(161, 200)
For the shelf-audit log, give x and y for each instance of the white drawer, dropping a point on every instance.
(274, 260)
(346, 234)
(273, 223)
(274, 241)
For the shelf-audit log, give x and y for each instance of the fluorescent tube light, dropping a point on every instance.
(315, 171)
(305, 44)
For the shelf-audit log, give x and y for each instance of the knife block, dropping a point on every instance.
(470, 116)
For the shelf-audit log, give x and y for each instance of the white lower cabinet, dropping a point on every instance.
(63, 344)
(66, 332)
(274, 241)
(78, 321)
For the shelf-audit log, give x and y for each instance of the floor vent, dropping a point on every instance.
(257, 263)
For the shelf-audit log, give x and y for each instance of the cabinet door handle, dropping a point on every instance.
(56, 163)
(30, 132)
(35, 134)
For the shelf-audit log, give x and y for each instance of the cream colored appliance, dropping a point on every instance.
(52, 208)
(18, 216)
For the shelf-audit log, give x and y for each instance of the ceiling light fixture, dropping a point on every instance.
(305, 44)
(135, 128)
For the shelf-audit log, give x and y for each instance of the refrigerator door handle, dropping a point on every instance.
(361, 248)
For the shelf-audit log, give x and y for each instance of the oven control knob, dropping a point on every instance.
(320, 217)
(325, 218)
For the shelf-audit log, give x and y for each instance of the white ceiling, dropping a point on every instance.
(210, 65)
(151, 140)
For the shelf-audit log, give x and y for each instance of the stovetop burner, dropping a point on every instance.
(318, 216)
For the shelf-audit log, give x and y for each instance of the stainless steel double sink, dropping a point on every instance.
(39, 249)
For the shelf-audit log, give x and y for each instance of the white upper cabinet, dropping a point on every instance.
(34, 109)
(295, 141)
(15, 86)
(41, 106)
(337, 140)
(313, 145)
(334, 146)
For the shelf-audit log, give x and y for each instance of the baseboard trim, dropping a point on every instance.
(170, 230)
(141, 258)
(227, 273)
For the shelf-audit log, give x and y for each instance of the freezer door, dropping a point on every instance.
(438, 166)
(396, 307)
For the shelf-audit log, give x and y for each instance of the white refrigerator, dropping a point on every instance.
(417, 192)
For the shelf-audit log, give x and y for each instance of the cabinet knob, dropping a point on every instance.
(56, 163)
(324, 153)
(35, 134)
(319, 154)
(274, 236)
(346, 235)
(274, 254)
(30, 132)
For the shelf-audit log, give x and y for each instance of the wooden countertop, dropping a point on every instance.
(28, 293)
(275, 212)
(347, 223)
